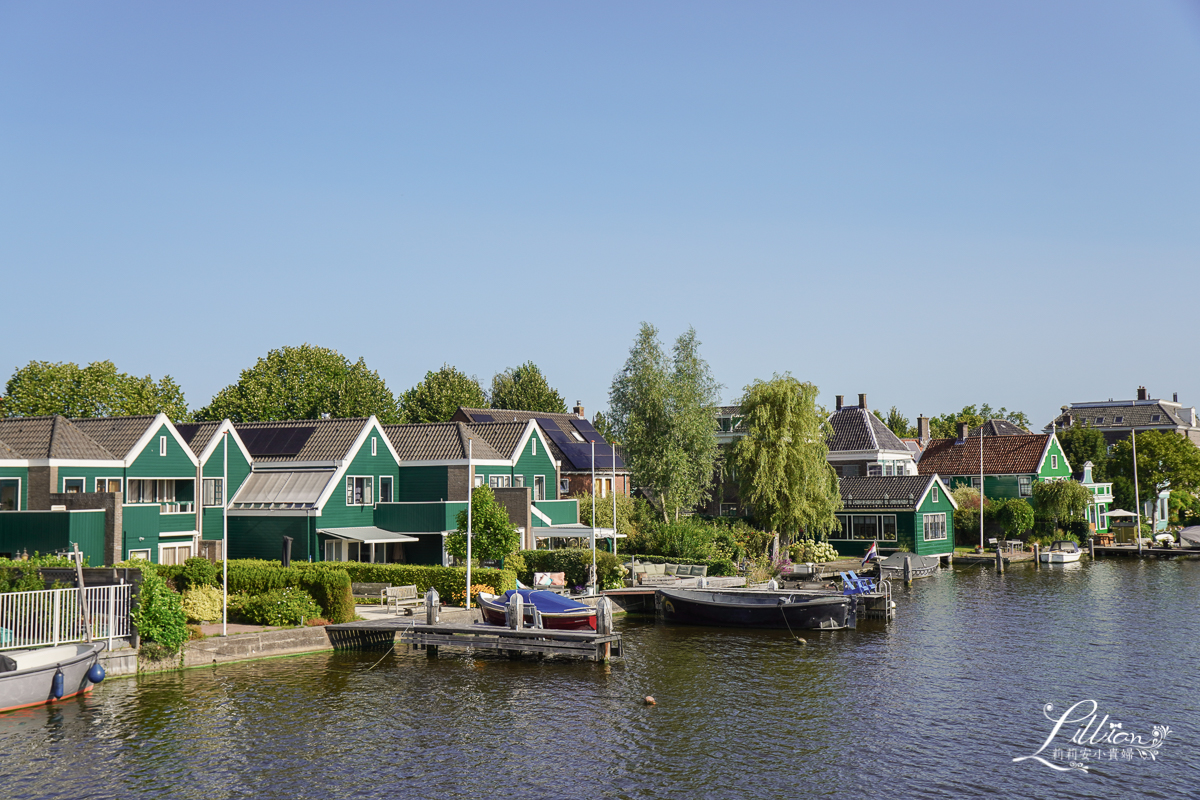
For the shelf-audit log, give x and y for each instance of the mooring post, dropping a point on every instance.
(604, 627)
(515, 612)
(1037, 555)
(908, 571)
(433, 607)
(1092, 548)
(999, 561)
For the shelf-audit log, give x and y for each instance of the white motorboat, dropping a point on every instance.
(1061, 553)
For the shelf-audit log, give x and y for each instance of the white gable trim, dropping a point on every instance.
(372, 424)
(515, 455)
(935, 478)
(1046, 452)
(210, 448)
(148, 435)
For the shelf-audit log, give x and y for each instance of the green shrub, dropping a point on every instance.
(199, 572)
(576, 563)
(327, 584)
(717, 567)
(450, 582)
(202, 604)
(23, 575)
(287, 606)
(158, 613)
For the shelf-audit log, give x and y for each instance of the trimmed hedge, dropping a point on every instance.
(450, 582)
(576, 562)
(328, 584)
(717, 567)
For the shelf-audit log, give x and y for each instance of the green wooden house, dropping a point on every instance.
(1011, 463)
(910, 513)
(219, 475)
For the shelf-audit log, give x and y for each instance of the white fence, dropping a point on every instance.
(55, 616)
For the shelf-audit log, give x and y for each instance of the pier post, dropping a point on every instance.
(516, 612)
(999, 561)
(433, 607)
(1037, 555)
(1092, 549)
(908, 579)
(604, 627)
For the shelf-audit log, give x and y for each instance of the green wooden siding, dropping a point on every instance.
(995, 487)
(89, 475)
(530, 464)
(214, 467)
(21, 474)
(1054, 452)
(941, 506)
(174, 523)
(211, 524)
(427, 517)
(51, 531)
(262, 537)
(336, 513)
(417, 484)
(177, 463)
(560, 512)
(139, 529)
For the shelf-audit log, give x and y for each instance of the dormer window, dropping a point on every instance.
(1099, 420)
(1156, 418)
(578, 438)
(1119, 420)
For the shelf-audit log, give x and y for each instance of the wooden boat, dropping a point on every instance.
(558, 613)
(27, 677)
(922, 566)
(1061, 553)
(755, 609)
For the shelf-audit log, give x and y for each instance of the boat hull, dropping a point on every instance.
(495, 613)
(32, 685)
(1059, 558)
(789, 610)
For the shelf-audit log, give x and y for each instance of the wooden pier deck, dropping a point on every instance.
(475, 636)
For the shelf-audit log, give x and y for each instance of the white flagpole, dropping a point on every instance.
(470, 497)
(224, 537)
(981, 489)
(593, 575)
(614, 494)
(1137, 497)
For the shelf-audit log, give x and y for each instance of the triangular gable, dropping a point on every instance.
(936, 480)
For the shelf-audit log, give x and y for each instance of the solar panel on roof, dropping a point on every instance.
(483, 418)
(262, 442)
(585, 428)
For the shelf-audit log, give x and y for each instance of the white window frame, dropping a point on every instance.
(368, 493)
(939, 525)
(498, 480)
(106, 479)
(391, 489)
(16, 478)
(162, 445)
(533, 444)
(1053, 461)
(977, 483)
(536, 480)
(1024, 486)
(142, 553)
(518, 481)
(478, 480)
(176, 545)
(374, 445)
(564, 486)
(936, 496)
(217, 482)
(82, 485)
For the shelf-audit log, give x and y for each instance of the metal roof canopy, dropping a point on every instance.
(367, 534)
(575, 532)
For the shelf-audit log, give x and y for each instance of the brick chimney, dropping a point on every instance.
(862, 402)
(1143, 394)
(839, 402)
(578, 409)
(963, 429)
(923, 430)
(1175, 397)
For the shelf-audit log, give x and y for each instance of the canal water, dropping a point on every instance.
(937, 704)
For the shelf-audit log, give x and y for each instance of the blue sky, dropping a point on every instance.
(933, 203)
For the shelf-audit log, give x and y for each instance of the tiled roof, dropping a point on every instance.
(1002, 455)
(578, 462)
(880, 489)
(1131, 414)
(439, 441)
(999, 427)
(330, 440)
(197, 434)
(502, 436)
(856, 428)
(8, 452)
(117, 435)
(914, 447)
(50, 437)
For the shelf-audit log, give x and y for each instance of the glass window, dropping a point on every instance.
(539, 487)
(10, 494)
(874, 469)
(935, 527)
(359, 491)
(162, 445)
(564, 486)
(936, 497)
(1026, 485)
(866, 527)
(108, 485)
(213, 492)
(518, 480)
(385, 489)
(374, 446)
(478, 481)
(1053, 462)
(73, 485)
(888, 525)
(844, 519)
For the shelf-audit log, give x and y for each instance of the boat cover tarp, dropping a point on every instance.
(547, 601)
(896, 561)
(1190, 536)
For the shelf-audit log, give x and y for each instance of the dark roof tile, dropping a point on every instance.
(1002, 455)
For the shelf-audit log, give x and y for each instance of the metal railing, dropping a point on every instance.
(55, 616)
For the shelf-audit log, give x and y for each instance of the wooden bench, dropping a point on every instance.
(369, 591)
(402, 596)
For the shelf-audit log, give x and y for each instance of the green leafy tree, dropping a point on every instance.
(1055, 500)
(524, 388)
(1164, 461)
(436, 398)
(662, 411)
(897, 423)
(1083, 443)
(1014, 515)
(627, 514)
(303, 383)
(781, 463)
(493, 536)
(946, 426)
(159, 615)
(966, 515)
(604, 427)
(97, 390)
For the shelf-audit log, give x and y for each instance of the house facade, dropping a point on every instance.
(1101, 501)
(1116, 419)
(219, 475)
(910, 513)
(1011, 463)
(860, 444)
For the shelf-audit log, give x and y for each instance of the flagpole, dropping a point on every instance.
(1137, 497)
(981, 490)
(224, 537)
(470, 497)
(614, 494)
(593, 575)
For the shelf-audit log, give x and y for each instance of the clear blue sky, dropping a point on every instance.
(933, 203)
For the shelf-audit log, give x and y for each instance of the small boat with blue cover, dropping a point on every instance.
(558, 613)
(33, 677)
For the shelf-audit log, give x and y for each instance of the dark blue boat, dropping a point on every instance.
(558, 612)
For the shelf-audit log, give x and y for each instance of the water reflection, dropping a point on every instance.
(935, 705)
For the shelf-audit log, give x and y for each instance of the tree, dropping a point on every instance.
(897, 423)
(524, 388)
(1083, 443)
(780, 463)
(1056, 499)
(1014, 515)
(627, 512)
(436, 398)
(946, 426)
(1164, 461)
(493, 536)
(662, 412)
(303, 383)
(97, 390)
(604, 427)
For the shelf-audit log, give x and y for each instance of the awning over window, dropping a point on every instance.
(367, 535)
(575, 532)
(282, 489)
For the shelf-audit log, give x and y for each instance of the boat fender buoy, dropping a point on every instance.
(891, 604)
(56, 685)
(650, 701)
(96, 673)
(801, 641)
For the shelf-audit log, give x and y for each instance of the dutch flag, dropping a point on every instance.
(872, 553)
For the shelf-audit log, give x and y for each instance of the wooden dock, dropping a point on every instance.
(474, 636)
(1131, 551)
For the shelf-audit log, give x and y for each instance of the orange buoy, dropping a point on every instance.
(650, 701)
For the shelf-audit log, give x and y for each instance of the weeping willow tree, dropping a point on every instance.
(781, 463)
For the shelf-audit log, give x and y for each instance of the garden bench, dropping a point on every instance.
(401, 596)
(369, 591)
